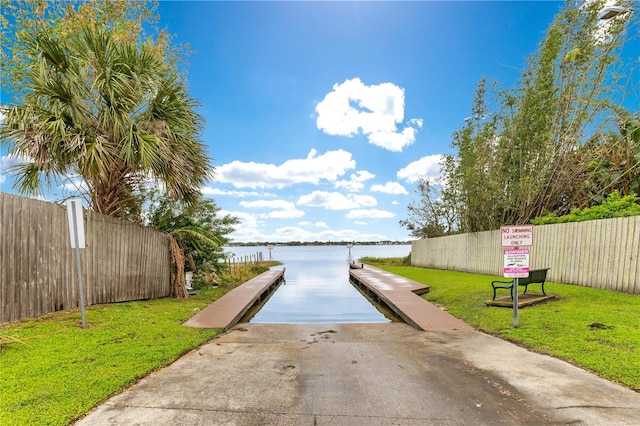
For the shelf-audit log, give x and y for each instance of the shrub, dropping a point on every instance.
(613, 206)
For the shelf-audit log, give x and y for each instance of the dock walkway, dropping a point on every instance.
(230, 308)
(398, 293)
(401, 295)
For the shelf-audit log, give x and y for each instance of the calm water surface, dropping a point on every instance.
(317, 288)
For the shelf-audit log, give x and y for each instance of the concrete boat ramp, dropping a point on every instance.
(363, 374)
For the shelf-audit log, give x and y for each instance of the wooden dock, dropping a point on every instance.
(399, 294)
(402, 296)
(230, 308)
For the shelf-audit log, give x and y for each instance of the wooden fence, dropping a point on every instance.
(598, 253)
(121, 262)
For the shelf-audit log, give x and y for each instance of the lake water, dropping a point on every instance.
(317, 288)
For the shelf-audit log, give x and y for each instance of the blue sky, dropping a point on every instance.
(321, 116)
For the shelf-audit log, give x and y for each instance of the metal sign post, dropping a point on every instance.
(515, 303)
(516, 259)
(76, 232)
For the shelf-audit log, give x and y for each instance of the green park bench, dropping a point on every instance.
(536, 276)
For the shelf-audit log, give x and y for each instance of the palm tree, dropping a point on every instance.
(112, 112)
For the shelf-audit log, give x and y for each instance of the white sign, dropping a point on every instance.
(516, 236)
(516, 263)
(74, 210)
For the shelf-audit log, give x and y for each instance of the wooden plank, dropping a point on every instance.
(25, 267)
(623, 252)
(586, 252)
(594, 253)
(556, 272)
(614, 251)
(542, 238)
(634, 255)
(8, 272)
(612, 258)
(596, 265)
(603, 270)
(42, 246)
(577, 252)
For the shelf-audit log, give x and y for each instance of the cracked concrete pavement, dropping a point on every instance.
(366, 374)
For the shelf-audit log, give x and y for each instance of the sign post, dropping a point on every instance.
(516, 257)
(76, 233)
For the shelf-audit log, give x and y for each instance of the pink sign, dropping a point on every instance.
(517, 235)
(516, 263)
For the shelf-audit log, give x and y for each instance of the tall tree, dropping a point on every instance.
(542, 150)
(108, 107)
(474, 174)
(135, 21)
(431, 215)
(613, 158)
(566, 95)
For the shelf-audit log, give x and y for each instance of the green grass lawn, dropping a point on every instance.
(52, 371)
(58, 371)
(596, 329)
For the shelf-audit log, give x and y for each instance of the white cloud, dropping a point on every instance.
(394, 141)
(355, 182)
(247, 220)
(283, 214)
(5, 162)
(389, 188)
(328, 166)
(292, 233)
(282, 209)
(370, 214)
(74, 183)
(268, 204)
(375, 111)
(426, 168)
(9, 161)
(206, 190)
(319, 224)
(336, 200)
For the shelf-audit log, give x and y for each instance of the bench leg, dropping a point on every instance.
(497, 287)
